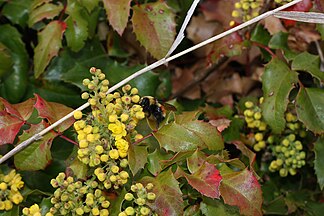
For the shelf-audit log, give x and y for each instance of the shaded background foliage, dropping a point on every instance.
(47, 48)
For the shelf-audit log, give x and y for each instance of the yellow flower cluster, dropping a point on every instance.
(246, 10)
(119, 113)
(78, 198)
(112, 175)
(289, 155)
(139, 197)
(253, 118)
(34, 210)
(282, 1)
(10, 184)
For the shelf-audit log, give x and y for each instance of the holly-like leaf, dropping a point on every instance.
(205, 180)
(78, 168)
(5, 59)
(308, 63)
(137, 158)
(246, 151)
(17, 11)
(207, 133)
(10, 109)
(278, 80)
(49, 43)
(195, 161)
(9, 127)
(77, 27)
(319, 161)
(243, 190)
(38, 154)
(154, 26)
(45, 11)
(176, 138)
(117, 13)
(89, 4)
(25, 108)
(217, 207)
(168, 200)
(309, 107)
(53, 112)
(280, 41)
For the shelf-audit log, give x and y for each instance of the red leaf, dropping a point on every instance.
(53, 112)
(10, 109)
(9, 127)
(243, 190)
(117, 13)
(303, 6)
(206, 180)
(25, 108)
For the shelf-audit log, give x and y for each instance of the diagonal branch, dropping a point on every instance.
(156, 64)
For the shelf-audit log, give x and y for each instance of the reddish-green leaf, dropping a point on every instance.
(277, 82)
(38, 154)
(195, 161)
(45, 11)
(207, 133)
(77, 27)
(206, 180)
(309, 106)
(243, 190)
(246, 151)
(168, 200)
(53, 112)
(137, 158)
(117, 13)
(10, 109)
(309, 63)
(78, 168)
(25, 108)
(9, 127)
(154, 26)
(89, 4)
(319, 161)
(49, 43)
(176, 138)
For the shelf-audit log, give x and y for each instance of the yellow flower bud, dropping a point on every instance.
(99, 149)
(83, 144)
(3, 186)
(134, 91)
(112, 118)
(135, 99)
(248, 104)
(115, 169)
(104, 157)
(235, 13)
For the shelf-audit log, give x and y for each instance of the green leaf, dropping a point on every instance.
(280, 41)
(79, 169)
(177, 138)
(117, 13)
(137, 158)
(117, 202)
(154, 160)
(49, 43)
(320, 28)
(309, 107)
(207, 133)
(168, 200)
(243, 190)
(45, 205)
(154, 27)
(17, 11)
(308, 63)
(260, 35)
(77, 27)
(89, 4)
(217, 207)
(15, 83)
(277, 82)
(5, 59)
(45, 11)
(38, 154)
(319, 161)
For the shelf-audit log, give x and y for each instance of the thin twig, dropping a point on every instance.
(158, 63)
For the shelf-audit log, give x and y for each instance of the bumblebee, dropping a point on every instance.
(151, 106)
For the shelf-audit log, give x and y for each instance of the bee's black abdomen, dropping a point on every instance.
(157, 113)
